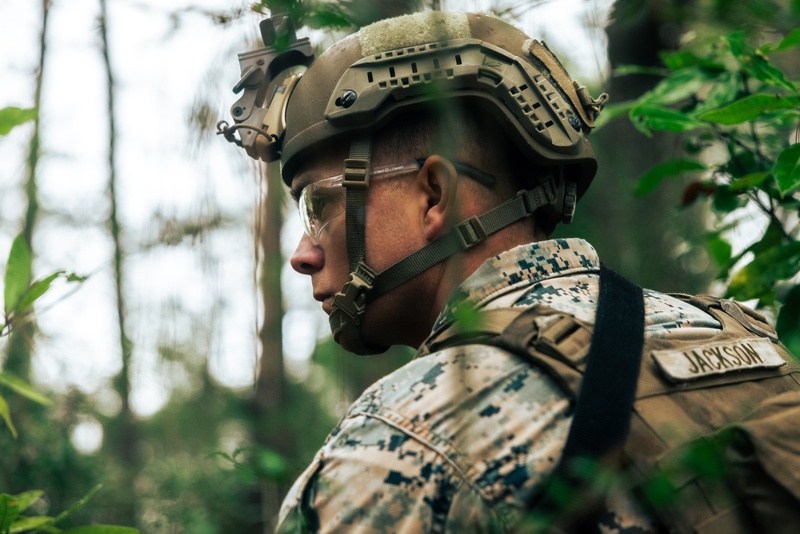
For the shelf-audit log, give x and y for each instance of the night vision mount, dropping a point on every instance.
(267, 81)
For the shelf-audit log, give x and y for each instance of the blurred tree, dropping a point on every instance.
(646, 240)
(123, 432)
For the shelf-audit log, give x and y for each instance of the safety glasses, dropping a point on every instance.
(323, 201)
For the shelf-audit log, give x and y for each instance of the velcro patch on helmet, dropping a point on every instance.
(412, 30)
(718, 358)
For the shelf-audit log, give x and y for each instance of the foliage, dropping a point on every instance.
(11, 520)
(19, 296)
(11, 117)
(737, 113)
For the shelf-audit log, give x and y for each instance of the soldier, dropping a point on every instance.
(430, 156)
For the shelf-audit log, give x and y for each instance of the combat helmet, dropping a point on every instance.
(388, 69)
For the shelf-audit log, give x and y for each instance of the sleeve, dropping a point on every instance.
(374, 478)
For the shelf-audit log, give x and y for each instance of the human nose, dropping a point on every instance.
(308, 257)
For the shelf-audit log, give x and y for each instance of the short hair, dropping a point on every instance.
(469, 135)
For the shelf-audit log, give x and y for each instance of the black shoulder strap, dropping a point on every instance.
(603, 409)
(602, 413)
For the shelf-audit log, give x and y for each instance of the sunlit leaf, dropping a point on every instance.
(749, 108)
(18, 273)
(27, 498)
(5, 413)
(650, 181)
(787, 169)
(648, 117)
(37, 289)
(26, 524)
(11, 117)
(769, 266)
(19, 386)
(749, 181)
(788, 323)
(759, 67)
(676, 87)
(9, 510)
(724, 91)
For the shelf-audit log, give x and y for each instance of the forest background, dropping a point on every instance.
(179, 362)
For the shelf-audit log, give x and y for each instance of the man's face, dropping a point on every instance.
(392, 232)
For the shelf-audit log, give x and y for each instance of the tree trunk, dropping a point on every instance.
(270, 389)
(124, 436)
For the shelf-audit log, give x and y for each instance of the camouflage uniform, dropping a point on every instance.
(456, 441)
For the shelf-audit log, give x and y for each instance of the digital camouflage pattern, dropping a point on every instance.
(458, 440)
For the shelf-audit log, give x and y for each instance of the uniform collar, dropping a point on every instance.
(518, 268)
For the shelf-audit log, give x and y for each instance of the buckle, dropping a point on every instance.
(356, 173)
(352, 298)
(470, 232)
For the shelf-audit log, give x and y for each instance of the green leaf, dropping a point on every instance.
(759, 276)
(790, 41)
(27, 498)
(650, 181)
(726, 200)
(749, 108)
(26, 524)
(72, 277)
(78, 505)
(676, 87)
(787, 169)
(759, 67)
(737, 41)
(724, 90)
(612, 112)
(788, 323)
(37, 289)
(625, 70)
(11, 117)
(647, 117)
(19, 386)
(719, 249)
(101, 529)
(270, 464)
(5, 413)
(18, 273)
(749, 181)
(9, 510)
(685, 58)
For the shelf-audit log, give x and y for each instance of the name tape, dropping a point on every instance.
(717, 359)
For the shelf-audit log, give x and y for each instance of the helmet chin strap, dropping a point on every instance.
(365, 285)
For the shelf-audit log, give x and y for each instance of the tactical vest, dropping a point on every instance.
(714, 438)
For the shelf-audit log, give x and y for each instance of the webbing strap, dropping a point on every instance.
(464, 235)
(356, 180)
(602, 413)
(603, 409)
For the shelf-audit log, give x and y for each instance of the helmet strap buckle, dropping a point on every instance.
(352, 299)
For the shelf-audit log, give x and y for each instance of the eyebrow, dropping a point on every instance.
(301, 184)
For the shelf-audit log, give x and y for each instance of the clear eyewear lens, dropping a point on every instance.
(321, 202)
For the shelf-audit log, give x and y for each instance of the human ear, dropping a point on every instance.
(438, 183)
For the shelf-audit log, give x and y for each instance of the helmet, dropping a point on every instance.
(406, 64)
